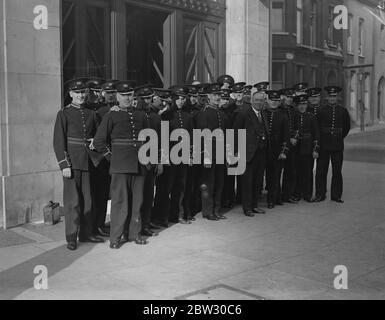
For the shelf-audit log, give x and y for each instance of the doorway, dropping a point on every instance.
(148, 48)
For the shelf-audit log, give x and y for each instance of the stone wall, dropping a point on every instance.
(248, 40)
(30, 93)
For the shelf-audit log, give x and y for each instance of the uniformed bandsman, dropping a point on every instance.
(300, 88)
(226, 81)
(308, 137)
(213, 173)
(117, 139)
(100, 176)
(314, 107)
(144, 97)
(289, 170)
(334, 123)
(175, 175)
(278, 137)
(74, 131)
(192, 202)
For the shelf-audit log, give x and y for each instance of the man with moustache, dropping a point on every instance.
(278, 137)
(74, 130)
(213, 173)
(117, 139)
(253, 121)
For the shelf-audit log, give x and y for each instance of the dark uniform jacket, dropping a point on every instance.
(179, 119)
(314, 110)
(154, 122)
(256, 133)
(117, 139)
(334, 124)
(212, 118)
(73, 127)
(307, 133)
(103, 109)
(278, 132)
(290, 113)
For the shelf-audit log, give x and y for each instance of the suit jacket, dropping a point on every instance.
(256, 134)
(73, 127)
(334, 124)
(117, 138)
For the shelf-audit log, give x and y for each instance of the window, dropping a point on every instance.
(278, 16)
(300, 73)
(361, 39)
(299, 22)
(367, 92)
(313, 24)
(313, 77)
(349, 45)
(353, 90)
(383, 37)
(278, 75)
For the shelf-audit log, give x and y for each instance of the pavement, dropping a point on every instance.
(290, 253)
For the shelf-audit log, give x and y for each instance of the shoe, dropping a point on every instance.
(103, 232)
(338, 200)
(211, 217)
(91, 239)
(124, 238)
(249, 214)
(183, 221)
(319, 199)
(72, 245)
(117, 244)
(270, 206)
(293, 201)
(140, 241)
(221, 216)
(259, 211)
(149, 233)
(309, 200)
(155, 226)
(191, 218)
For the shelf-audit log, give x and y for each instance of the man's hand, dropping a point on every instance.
(67, 173)
(115, 109)
(91, 146)
(315, 155)
(282, 156)
(293, 141)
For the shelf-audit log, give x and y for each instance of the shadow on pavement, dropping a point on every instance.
(20, 278)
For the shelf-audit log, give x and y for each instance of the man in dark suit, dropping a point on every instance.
(74, 131)
(278, 137)
(118, 139)
(252, 120)
(334, 123)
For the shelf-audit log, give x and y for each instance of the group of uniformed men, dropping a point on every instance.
(96, 142)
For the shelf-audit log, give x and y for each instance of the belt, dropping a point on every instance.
(77, 141)
(126, 142)
(331, 130)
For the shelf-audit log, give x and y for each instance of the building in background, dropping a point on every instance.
(306, 46)
(151, 41)
(364, 51)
